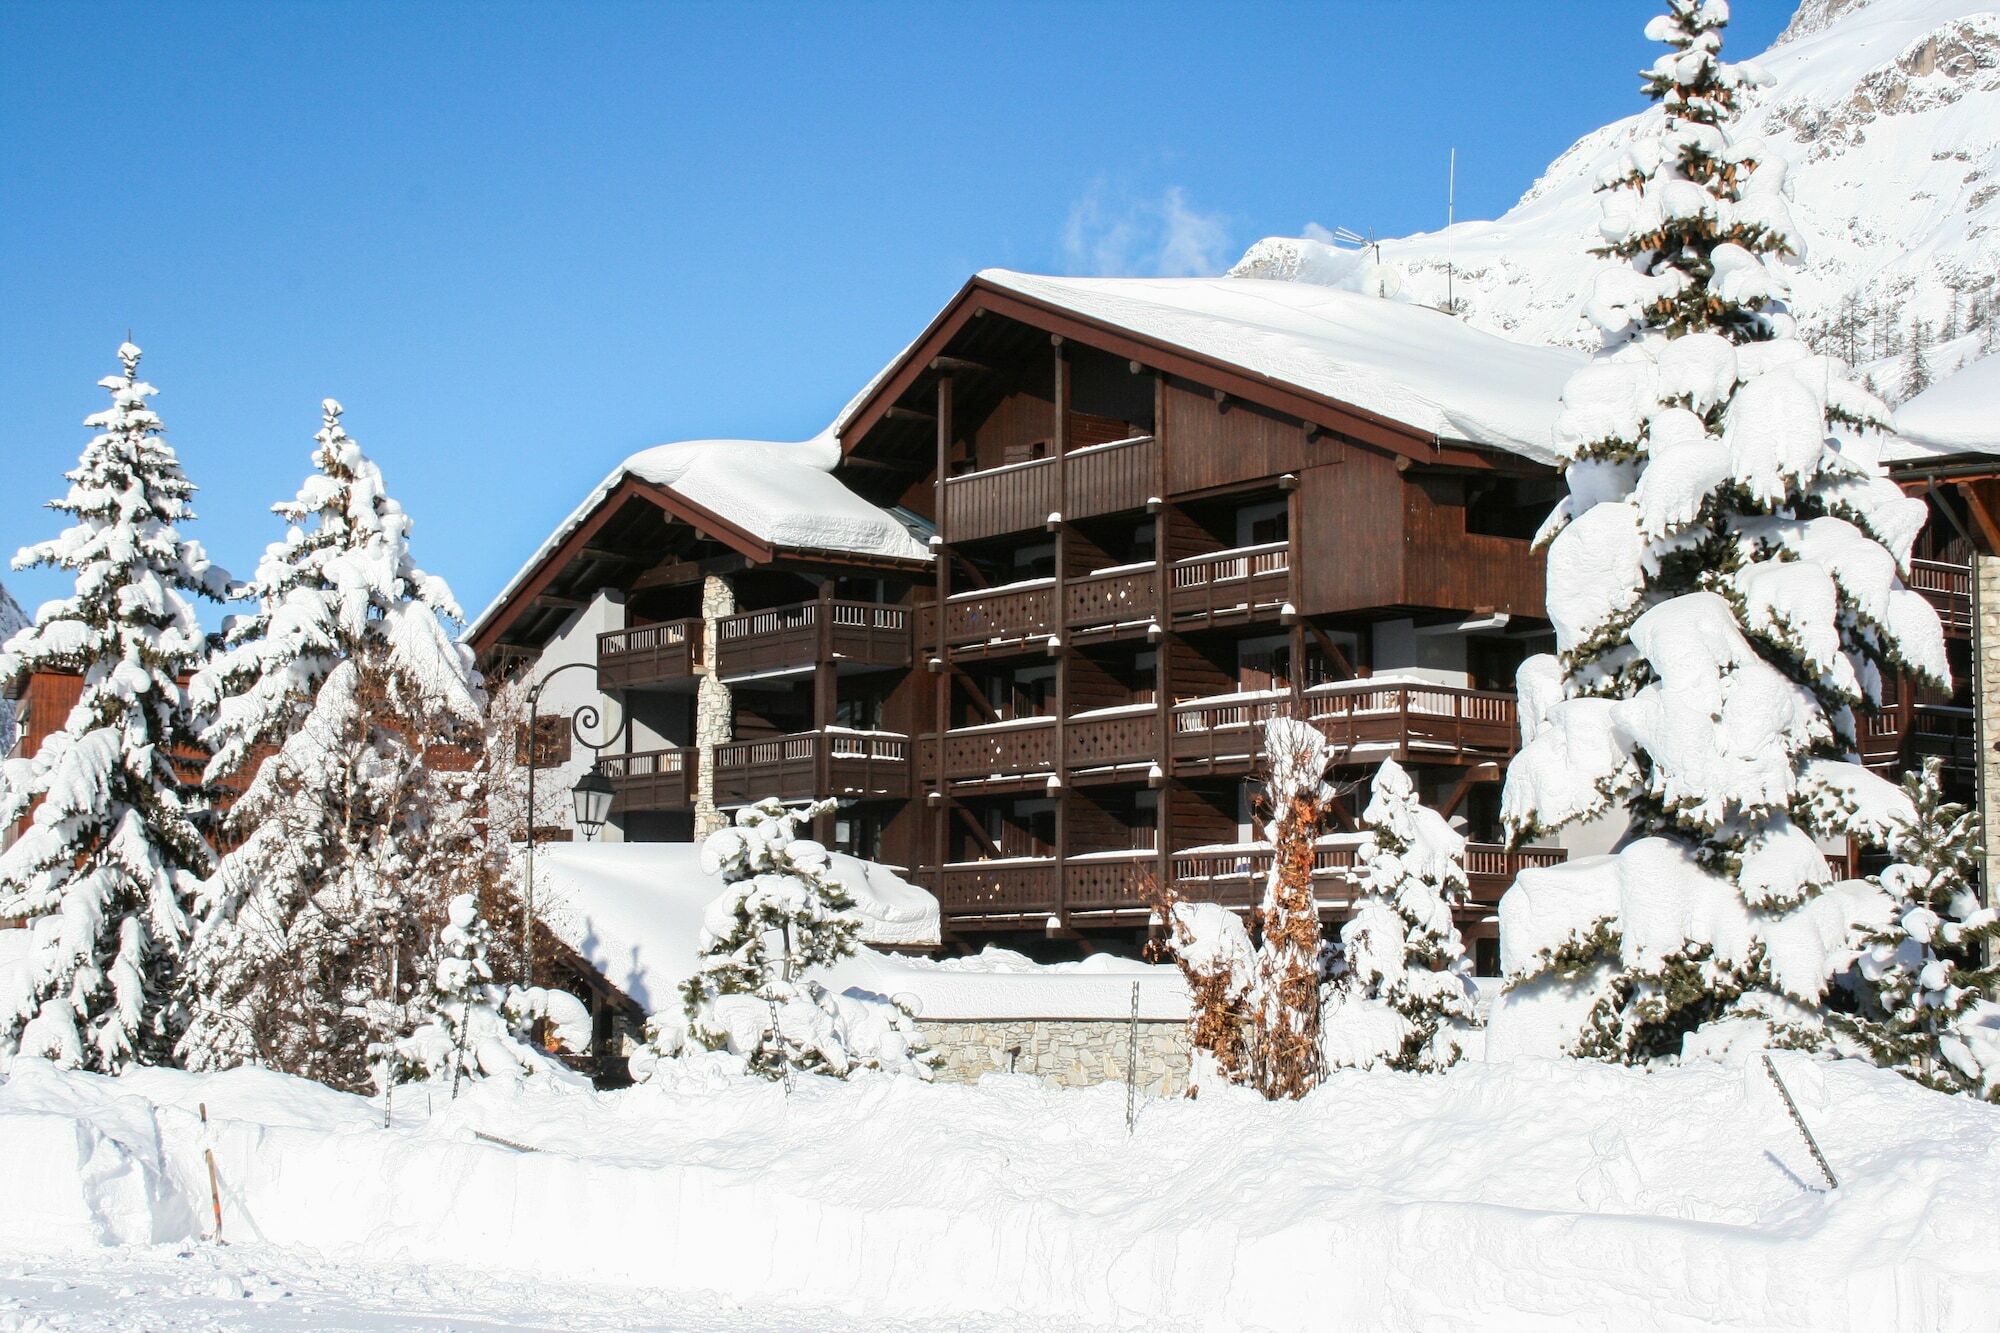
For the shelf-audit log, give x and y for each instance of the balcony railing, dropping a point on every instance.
(1000, 749)
(651, 779)
(813, 764)
(1231, 585)
(1101, 479)
(1389, 719)
(649, 655)
(782, 638)
(1235, 875)
(1023, 889)
(1900, 738)
(1948, 588)
(1125, 740)
(1115, 597)
(1012, 614)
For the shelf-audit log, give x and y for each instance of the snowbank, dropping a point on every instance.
(1413, 365)
(633, 910)
(1539, 1194)
(1001, 985)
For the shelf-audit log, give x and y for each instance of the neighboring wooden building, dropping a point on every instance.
(1133, 519)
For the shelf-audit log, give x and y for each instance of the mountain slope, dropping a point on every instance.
(1889, 115)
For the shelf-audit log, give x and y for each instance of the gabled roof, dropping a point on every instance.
(760, 498)
(1416, 375)
(1960, 414)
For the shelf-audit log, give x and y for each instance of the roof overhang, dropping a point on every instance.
(980, 297)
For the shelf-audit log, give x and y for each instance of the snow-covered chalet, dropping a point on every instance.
(1025, 604)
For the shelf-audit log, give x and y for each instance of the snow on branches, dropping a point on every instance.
(113, 847)
(1286, 1048)
(1725, 581)
(781, 914)
(1926, 979)
(1400, 995)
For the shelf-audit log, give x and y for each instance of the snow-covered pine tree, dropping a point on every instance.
(1286, 1045)
(113, 849)
(1724, 580)
(358, 830)
(1917, 363)
(1400, 994)
(780, 914)
(1926, 980)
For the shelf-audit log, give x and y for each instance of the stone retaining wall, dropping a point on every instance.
(1067, 1052)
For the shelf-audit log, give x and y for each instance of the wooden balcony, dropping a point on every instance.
(1365, 720)
(1235, 876)
(629, 659)
(811, 765)
(1127, 739)
(651, 780)
(1948, 588)
(999, 750)
(1002, 617)
(785, 638)
(1100, 479)
(1231, 587)
(1025, 891)
(1116, 597)
(1899, 738)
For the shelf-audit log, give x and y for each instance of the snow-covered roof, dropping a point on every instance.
(784, 494)
(1959, 414)
(1411, 364)
(633, 910)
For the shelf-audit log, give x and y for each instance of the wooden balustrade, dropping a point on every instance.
(1108, 883)
(1110, 599)
(1004, 750)
(1111, 742)
(1901, 737)
(648, 655)
(1109, 478)
(1948, 588)
(1024, 890)
(1008, 499)
(812, 764)
(1231, 585)
(1003, 615)
(650, 779)
(1415, 718)
(1218, 874)
(1223, 732)
(801, 634)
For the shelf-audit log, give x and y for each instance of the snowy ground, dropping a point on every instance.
(1530, 1195)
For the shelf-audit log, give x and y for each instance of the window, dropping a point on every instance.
(1509, 506)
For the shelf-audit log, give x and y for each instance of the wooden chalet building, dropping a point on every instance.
(1025, 605)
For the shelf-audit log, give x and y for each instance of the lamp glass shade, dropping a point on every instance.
(592, 796)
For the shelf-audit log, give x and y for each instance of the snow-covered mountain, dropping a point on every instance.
(12, 618)
(1888, 112)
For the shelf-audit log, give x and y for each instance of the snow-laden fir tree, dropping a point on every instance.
(113, 850)
(468, 1028)
(1286, 1046)
(1927, 982)
(1725, 584)
(1917, 363)
(342, 569)
(781, 914)
(1400, 995)
(358, 830)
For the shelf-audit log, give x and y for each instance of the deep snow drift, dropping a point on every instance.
(1535, 1194)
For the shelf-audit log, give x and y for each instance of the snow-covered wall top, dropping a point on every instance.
(1959, 414)
(785, 494)
(633, 910)
(1889, 115)
(1402, 361)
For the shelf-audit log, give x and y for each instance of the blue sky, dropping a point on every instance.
(519, 242)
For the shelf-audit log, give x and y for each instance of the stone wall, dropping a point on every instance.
(1067, 1052)
(1986, 702)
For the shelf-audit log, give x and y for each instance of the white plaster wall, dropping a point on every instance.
(1438, 658)
(576, 642)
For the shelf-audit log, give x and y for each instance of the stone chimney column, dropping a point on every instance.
(714, 710)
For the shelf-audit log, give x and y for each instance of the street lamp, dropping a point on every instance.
(592, 797)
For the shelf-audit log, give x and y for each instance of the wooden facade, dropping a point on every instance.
(1138, 559)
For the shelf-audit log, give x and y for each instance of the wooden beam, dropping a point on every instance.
(962, 363)
(1333, 652)
(1474, 776)
(978, 832)
(908, 414)
(1982, 502)
(562, 603)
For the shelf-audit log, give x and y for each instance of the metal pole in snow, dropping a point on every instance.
(1132, 1064)
(1812, 1145)
(214, 1191)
